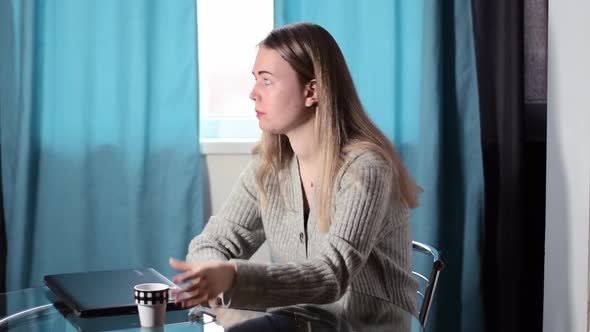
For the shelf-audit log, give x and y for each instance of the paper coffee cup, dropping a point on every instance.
(151, 300)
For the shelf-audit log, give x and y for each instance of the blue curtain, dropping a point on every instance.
(99, 135)
(413, 63)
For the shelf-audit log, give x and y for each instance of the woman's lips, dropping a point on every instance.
(259, 114)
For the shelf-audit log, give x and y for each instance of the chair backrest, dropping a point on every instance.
(427, 284)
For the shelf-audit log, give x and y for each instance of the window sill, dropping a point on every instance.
(225, 146)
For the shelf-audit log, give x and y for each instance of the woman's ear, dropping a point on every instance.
(311, 97)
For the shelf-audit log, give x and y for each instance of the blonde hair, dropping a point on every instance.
(341, 124)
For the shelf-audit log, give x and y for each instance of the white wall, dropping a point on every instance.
(568, 167)
(221, 172)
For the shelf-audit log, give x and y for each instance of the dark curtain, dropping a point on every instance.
(511, 48)
(2, 237)
(2, 245)
(6, 42)
(2, 229)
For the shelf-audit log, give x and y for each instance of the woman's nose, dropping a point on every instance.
(253, 93)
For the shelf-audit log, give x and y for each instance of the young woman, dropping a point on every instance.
(326, 190)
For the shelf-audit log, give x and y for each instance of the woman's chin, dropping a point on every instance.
(268, 130)
(275, 132)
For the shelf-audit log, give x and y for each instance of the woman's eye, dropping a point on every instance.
(266, 81)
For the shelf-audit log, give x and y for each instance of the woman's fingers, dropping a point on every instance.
(195, 284)
(190, 270)
(192, 299)
(202, 281)
(189, 275)
(179, 265)
(194, 290)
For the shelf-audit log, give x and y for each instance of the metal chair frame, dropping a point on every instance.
(431, 281)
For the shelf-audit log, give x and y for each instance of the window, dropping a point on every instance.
(228, 32)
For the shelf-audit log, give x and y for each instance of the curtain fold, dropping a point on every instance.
(100, 153)
(2, 229)
(413, 63)
(513, 102)
(2, 238)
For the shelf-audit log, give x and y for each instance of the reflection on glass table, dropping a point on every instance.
(32, 310)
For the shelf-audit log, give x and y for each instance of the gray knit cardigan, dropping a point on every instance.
(367, 249)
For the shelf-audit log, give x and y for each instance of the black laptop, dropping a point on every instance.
(100, 293)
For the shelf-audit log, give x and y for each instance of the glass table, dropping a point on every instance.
(32, 310)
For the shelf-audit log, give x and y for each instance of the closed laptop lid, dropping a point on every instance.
(103, 292)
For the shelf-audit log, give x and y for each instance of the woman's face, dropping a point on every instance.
(279, 98)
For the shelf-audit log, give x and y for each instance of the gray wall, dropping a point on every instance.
(568, 167)
(221, 171)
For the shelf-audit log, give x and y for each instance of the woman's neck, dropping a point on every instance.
(304, 144)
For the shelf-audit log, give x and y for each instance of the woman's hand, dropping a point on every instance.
(202, 281)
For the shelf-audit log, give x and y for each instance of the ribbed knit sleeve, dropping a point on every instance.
(362, 198)
(236, 230)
